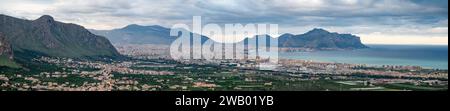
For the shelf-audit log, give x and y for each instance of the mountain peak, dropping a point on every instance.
(287, 35)
(46, 18)
(319, 30)
(136, 27)
(140, 26)
(158, 26)
(133, 27)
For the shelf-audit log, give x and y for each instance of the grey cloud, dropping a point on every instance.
(289, 14)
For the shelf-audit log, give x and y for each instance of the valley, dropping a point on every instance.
(63, 74)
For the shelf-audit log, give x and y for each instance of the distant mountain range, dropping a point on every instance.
(23, 39)
(317, 39)
(137, 34)
(45, 36)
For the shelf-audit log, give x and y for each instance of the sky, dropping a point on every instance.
(375, 21)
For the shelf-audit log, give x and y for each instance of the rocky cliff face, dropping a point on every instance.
(52, 38)
(5, 48)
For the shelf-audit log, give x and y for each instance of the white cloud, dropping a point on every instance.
(378, 38)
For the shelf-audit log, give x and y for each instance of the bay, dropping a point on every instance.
(428, 56)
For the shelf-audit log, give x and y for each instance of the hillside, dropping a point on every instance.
(6, 53)
(45, 36)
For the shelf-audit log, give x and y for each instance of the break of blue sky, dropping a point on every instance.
(376, 21)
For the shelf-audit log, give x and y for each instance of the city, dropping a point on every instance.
(138, 74)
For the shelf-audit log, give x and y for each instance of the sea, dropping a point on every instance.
(427, 56)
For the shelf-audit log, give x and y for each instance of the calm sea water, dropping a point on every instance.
(413, 55)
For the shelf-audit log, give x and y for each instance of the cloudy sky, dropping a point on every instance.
(375, 21)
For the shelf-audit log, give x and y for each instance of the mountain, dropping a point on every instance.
(321, 39)
(316, 39)
(45, 36)
(136, 34)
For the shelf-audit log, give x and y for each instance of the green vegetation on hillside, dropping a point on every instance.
(4, 61)
(51, 38)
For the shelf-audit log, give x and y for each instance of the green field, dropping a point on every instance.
(416, 87)
(4, 61)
